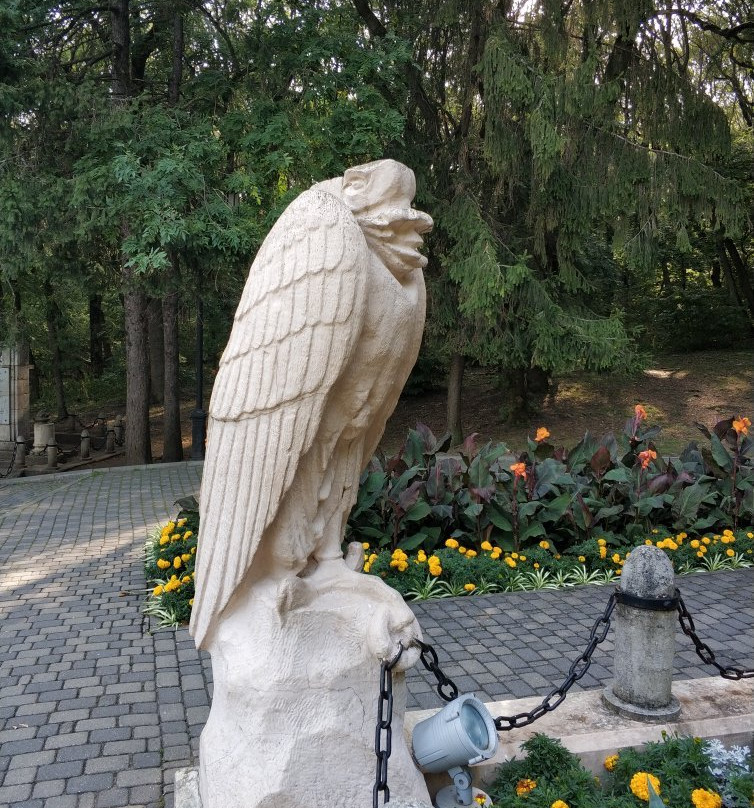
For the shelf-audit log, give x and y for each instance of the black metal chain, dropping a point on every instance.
(383, 742)
(704, 652)
(553, 698)
(12, 461)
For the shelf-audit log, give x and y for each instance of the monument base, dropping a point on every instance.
(649, 715)
(187, 792)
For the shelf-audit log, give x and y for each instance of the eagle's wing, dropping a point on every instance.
(294, 332)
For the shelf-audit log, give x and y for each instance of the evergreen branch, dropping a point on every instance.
(733, 32)
(657, 150)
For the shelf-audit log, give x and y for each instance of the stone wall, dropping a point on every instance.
(14, 395)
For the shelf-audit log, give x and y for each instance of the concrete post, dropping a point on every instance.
(119, 429)
(52, 455)
(85, 444)
(20, 461)
(645, 639)
(110, 441)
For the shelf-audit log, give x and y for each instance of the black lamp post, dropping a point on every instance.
(198, 416)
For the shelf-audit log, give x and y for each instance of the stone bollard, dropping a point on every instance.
(44, 433)
(645, 625)
(86, 444)
(20, 461)
(119, 429)
(110, 440)
(52, 455)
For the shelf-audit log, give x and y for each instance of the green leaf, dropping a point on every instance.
(720, 453)
(417, 512)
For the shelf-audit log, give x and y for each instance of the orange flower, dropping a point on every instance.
(519, 470)
(640, 413)
(525, 786)
(542, 434)
(741, 425)
(647, 457)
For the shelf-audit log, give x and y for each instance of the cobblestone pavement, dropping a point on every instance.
(95, 711)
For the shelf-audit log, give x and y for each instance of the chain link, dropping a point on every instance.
(12, 462)
(704, 652)
(383, 734)
(553, 699)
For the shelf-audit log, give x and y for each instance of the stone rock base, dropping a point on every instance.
(650, 715)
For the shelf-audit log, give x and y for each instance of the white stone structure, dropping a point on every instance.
(326, 333)
(14, 395)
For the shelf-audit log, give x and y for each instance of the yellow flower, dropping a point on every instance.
(615, 558)
(536, 566)
(702, 798)
(469, 587)
(730, 552)
(188, 534)
(164, 540)
(695, 543)
(372, 558)
(169, 527)
(462, 550)
(191, 602)
(177, 562)
(435, 571)
(582, 559)
(480, 798)
(524, 786)
(750, 535)
(648, 542)
(559, 804)
(611, 761)
(522, 558)
(486, 546)
(452, 543)
(603, 552)
(185, 556)
(365, 545)
(639, 785)
(510, 562)
(181, 522)
(495, 554)
(186, 579)
(162, 563)
(157, 591)
(421, 556)
(705, 540)
(545, 545)
(471, 554)
(367, 566)
(542, 434)
(699, 554)
(601, 542)
(514, 555)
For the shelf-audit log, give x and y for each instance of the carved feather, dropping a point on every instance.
(293, 335)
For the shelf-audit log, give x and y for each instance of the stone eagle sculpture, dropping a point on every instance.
(327, 330)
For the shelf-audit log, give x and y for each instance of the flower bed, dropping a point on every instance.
(683, 773)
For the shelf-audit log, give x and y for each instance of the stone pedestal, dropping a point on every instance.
(14, 395)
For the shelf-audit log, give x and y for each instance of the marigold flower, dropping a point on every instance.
(535, 565)
(601, 542)
(188, 534)
(706, 540)
(639, 785)
(486, 546)
(524, 786)
(603, 552)
(452, 543)
(542, 434)
(610, 762)
(545, 545)
(186, 579)
(695, 543)
(372, 558)
(703, 798)
(162, 563)
(730, 552)
(741, 425)
(421, 557)
(519, 470)
(480, 798)
(510, 562)
(177, 562)
(582, 559)
(560, 804)
(191, 602)
(365, 545)
(640, 413)
(164, 540)
(522, 558)
(185, 556)
(615, 558)
(469, 587)
(495, 554)
(471, 553)
(646, 457)
(367, 566)
(157, 591)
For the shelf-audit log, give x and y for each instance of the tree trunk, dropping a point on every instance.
(455, 391)
(156, 351)
(97, 337)
(52, 316)
(742, 274)
(138, 442)
(730, 281)
(173, 447)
